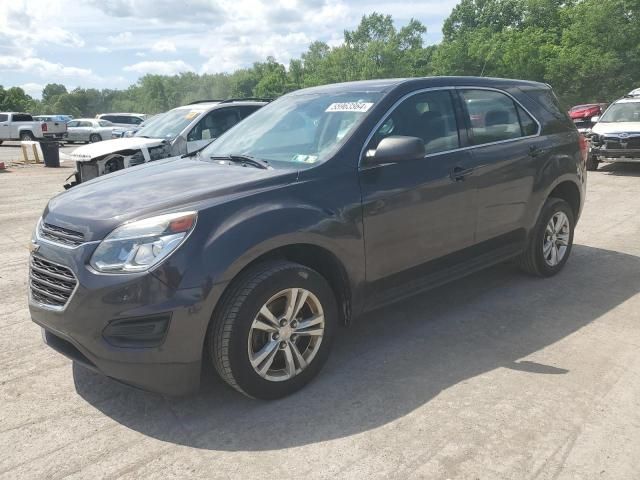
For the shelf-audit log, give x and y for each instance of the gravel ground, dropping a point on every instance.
(497, 376)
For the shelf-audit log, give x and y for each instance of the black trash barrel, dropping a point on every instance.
(50, 152)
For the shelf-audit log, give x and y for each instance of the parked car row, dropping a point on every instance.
(315, 209)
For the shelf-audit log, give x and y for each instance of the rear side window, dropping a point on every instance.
(21, 117)
(494, 117)
(429, 116)
(84, 124)
(4, 117)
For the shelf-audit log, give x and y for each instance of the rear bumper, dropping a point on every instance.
(55, 135)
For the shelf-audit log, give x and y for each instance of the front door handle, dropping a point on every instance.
(458, 174)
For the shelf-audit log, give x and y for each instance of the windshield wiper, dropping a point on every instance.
(244, 160)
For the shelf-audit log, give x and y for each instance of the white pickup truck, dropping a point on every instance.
(22, 126)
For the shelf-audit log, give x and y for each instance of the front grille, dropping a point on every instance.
(51, 284)
(627, 143)
(61, 235)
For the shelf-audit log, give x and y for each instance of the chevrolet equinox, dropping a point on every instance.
(326, 203)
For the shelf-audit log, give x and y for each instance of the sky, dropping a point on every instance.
(111, 43)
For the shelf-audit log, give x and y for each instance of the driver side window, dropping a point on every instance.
(213, 125)
(429, 116)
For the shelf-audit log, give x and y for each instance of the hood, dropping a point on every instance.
(98, 149)
(602, 128)
(97, 207)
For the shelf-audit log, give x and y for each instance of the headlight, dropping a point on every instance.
(138, 246)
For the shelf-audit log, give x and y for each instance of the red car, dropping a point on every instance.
(582, 114)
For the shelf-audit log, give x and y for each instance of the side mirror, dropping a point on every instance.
(595, 119)
(396, 148)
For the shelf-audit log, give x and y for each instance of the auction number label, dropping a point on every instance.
(349, 107)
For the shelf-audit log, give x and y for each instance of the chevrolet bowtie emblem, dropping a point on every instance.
(33, 247)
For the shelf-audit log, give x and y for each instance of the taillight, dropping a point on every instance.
(44, 127)
(584, 147)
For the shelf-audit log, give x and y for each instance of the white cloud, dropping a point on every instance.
(33, 89)
(166, 11)
(161, 68)
(26, 26)
(121, 38)
(164, 46)
(102, 49)
(41, 67)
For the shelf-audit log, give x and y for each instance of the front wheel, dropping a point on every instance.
(592, 163)
(551, 241)
(273, 331)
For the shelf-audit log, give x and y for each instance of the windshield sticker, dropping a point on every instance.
(305, 158)
(192, 114)
(349, 107)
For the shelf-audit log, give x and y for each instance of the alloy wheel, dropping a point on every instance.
(556, 239)
(286, 334)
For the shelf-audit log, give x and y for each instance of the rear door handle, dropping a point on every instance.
(458, 174)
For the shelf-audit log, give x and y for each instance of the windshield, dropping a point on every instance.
(622, 112)
(170, 124)
(305, 128)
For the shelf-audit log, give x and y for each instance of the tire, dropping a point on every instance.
(26, 137)
(94, 137)
(533, 259)
(592, 163)
(231, 338)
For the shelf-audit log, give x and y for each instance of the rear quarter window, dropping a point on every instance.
(559, 120)
(21, 117)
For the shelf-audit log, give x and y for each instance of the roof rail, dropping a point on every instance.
(247, 99)
(205, 101)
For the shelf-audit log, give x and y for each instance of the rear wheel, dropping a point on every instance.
(94, 137)
(550, 244)
(273, 331)
(592, 163)
(27, 136)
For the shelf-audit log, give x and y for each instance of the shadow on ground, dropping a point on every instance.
(393, 361)
(620, 169)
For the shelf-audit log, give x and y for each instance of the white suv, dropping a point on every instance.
(176, 132)
(616, 135)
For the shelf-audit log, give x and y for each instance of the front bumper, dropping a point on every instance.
(171, 366)
(616, 155)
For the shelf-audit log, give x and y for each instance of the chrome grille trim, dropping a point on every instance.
(59, 235)
(51, 285)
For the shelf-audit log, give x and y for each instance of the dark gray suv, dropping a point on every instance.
(324, 204)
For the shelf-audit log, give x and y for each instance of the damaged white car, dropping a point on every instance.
(176, 132)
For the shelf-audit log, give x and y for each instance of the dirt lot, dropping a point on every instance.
(497, 376)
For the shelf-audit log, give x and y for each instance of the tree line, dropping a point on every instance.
(588, 50)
